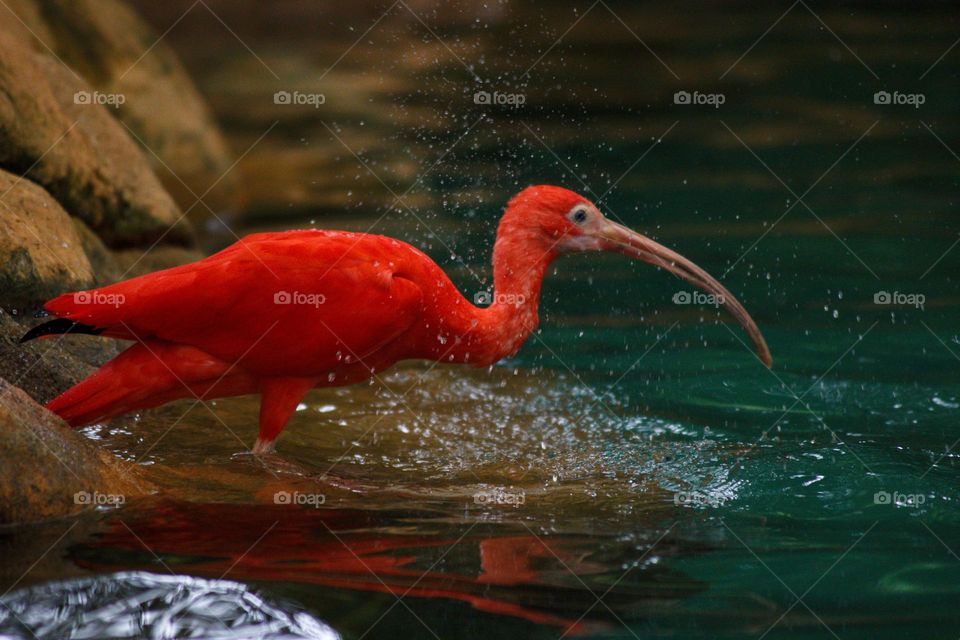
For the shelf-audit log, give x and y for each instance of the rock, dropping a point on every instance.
(105, 41)
(41, 251)
(106, 266)
(146, 206)
(49, 470)
(44, 252)
(78, 152)
(46, 368)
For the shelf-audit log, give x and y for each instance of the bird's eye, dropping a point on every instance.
(579, 215)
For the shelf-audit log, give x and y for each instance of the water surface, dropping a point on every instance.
(633, 471)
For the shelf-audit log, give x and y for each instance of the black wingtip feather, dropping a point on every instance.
(60, 326)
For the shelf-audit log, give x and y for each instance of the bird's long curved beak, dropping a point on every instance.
(630, 243)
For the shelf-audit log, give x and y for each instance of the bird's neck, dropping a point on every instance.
(520, 262)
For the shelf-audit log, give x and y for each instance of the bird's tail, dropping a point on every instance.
(148, 374)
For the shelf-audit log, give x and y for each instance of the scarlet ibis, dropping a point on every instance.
(281, 313)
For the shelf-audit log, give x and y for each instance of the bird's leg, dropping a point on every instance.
(279, 398)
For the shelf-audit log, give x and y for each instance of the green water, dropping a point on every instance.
(671, 485)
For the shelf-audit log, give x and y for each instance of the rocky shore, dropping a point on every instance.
(105, 154)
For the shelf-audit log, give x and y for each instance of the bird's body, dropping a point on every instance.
(280, 313)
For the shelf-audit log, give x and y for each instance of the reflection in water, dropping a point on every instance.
(535, 578)
(136, 604)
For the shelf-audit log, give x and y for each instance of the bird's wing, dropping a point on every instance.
(296, 303)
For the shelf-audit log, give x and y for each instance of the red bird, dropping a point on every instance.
(281, 313)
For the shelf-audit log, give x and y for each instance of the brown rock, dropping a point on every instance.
(45, 368)
(105, 41)
(78, 152)
(106, 267)
(48, 470)
(44, 253)
(41, 251)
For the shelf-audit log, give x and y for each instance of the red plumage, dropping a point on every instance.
(280, 313)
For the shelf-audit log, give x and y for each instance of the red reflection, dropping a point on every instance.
(352, 549)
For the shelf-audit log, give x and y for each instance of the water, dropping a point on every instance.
(634, 471)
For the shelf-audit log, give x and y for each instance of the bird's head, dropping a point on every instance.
(561, 221)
